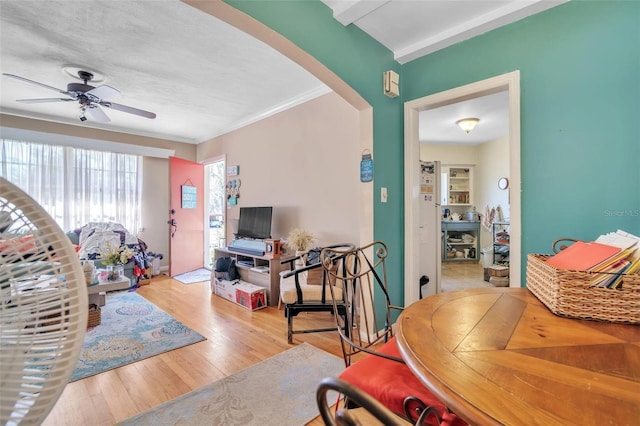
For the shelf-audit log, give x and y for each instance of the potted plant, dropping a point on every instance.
(299, 240)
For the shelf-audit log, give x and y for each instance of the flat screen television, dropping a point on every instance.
(254, 222)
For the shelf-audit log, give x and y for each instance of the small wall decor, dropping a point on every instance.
(189, 197)
(233, 170)
(233, 191)
(366, 167)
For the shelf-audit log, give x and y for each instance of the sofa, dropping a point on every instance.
(95, 236)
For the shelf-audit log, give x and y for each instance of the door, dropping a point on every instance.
(429, 228)
(186, 212)
(215, 213)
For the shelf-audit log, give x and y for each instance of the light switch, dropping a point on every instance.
(383, 195)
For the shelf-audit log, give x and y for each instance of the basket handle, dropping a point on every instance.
(562, 247)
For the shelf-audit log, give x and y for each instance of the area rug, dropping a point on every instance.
(131, 329)
(278, 391)
(196, 276)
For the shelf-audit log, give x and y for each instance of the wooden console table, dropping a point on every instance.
(262, 271)
(499, 356)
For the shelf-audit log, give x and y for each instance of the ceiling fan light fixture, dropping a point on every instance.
(74, 71)
(467, 124)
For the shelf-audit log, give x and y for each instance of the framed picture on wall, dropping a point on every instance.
(189, 197)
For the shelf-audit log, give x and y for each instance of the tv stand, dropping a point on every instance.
(256, 269)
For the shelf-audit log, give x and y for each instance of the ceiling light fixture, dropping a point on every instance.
(467, 124)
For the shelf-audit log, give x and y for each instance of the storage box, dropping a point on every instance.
(155, 266)
(499, 281)
(245, 294)
(570, 293)
(499, 271)
(224, 288)
(251, 296)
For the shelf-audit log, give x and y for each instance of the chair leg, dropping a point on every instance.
(289, 327)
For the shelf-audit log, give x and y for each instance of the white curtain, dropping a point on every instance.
(77, 186)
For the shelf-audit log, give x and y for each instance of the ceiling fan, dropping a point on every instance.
(89, 97)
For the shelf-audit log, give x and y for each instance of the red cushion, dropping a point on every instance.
(390, 382)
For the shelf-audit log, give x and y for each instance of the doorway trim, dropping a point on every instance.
(207, 200)
(511, 83)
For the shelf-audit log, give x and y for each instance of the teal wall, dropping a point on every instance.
(580, 110)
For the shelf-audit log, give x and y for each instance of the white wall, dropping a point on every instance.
(305, 163)
(493, 157)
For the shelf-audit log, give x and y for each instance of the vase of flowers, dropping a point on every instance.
(115, 272)
(114, 258)
(299, 240)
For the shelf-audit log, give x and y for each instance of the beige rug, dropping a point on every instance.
(278, 391)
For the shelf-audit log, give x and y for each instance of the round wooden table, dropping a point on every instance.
(499, 356)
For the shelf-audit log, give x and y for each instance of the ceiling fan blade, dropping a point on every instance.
(26, 80)
(103, 92)
(128, 109)
(35, 101)
(98, 114)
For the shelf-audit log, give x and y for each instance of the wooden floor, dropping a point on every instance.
(236, 339)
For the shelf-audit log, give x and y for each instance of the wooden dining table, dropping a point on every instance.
(499, 356)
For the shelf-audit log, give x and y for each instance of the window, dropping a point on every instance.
(76, 186)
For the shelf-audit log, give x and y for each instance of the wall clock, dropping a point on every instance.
(503, 183)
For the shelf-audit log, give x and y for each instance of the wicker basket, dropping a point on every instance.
(570, 294)
(94, 316)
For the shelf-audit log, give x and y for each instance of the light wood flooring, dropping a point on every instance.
(236, 339)
(458, 276)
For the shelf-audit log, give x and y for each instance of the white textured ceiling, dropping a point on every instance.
(201, 76)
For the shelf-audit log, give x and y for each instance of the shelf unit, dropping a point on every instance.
(501, 243)
(454, 230)
(262, 271)
(458, 185)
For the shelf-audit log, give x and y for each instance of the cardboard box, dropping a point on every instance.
(224, 288)
(251, 296)
(247, 295)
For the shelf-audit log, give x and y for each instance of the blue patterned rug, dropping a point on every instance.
(280, 390)
(131, 329)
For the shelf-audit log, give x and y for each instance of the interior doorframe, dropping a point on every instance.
(206, 243)
(511, 83)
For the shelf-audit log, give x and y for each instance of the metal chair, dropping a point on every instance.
(300, 292)
(368, 412)
(372, 358)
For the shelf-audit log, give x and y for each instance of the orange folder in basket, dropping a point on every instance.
(582, 256)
